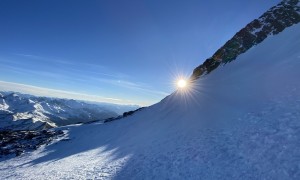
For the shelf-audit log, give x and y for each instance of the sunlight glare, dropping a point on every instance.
(181, 83)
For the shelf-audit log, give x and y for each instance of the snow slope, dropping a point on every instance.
(241, 121)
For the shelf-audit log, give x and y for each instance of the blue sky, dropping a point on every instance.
(127, 52)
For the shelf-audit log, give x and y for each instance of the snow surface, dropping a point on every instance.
(241, 121)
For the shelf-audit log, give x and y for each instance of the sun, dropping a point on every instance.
(181, 83)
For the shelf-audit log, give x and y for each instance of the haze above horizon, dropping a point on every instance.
(113, 51)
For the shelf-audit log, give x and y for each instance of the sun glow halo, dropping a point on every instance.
(181, 83)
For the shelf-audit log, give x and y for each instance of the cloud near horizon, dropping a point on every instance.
(78, 72)
(40, 91)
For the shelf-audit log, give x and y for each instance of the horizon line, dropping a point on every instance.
(63, 94)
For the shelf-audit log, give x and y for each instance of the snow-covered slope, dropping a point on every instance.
(242, 121)
(26, 112)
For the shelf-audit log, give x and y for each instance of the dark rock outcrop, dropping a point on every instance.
(17, 142)
(129, 113)
(272, 22)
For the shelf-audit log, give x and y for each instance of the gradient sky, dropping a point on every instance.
(127, 52)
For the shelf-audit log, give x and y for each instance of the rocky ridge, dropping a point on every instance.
(272, 22)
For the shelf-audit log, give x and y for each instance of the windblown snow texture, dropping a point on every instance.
(239, 122)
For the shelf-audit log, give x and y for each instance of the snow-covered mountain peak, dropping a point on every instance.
(25, 112)
(239, 122)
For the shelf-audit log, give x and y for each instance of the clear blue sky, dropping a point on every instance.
(120, 51)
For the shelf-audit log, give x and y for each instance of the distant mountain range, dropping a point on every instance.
(239, 122)
(26, 112)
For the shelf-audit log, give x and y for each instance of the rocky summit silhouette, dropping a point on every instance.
(272, 22)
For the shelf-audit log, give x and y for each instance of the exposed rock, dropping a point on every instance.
(129, 113)
(17, 142)
(275, 20)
